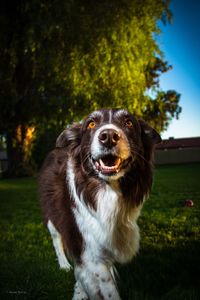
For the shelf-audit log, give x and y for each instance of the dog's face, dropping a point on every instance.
(111, 141)
(110, 135)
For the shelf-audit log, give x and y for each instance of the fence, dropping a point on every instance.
(177, 156)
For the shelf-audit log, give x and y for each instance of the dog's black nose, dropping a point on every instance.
(109, 137)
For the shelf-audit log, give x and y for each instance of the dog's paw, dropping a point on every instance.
(79, 293)
(64, 264)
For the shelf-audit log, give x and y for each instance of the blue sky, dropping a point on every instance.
(180, 42)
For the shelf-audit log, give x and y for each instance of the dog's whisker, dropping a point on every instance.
(141, 156)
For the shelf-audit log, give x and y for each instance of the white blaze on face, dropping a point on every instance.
(121, 150)
(109, 162)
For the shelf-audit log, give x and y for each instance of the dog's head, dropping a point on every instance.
(110, 142)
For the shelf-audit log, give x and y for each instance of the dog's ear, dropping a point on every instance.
(69, 136)
(149, 132)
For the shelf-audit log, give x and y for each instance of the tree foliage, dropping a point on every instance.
(61, 59)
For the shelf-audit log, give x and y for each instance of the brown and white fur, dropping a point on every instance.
(92, 188)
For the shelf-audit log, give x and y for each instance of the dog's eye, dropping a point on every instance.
(91, 125)
(129, 124)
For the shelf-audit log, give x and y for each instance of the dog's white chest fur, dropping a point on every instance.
(119, 226)
(110, 232)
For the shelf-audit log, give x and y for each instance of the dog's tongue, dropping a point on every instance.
(108, 164)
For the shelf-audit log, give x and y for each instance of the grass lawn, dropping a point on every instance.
(167, 266)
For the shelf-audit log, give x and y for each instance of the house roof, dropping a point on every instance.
(172, 143)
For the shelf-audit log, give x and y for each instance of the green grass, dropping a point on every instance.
(167, 266)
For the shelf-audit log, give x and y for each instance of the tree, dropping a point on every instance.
(61, 59)
(160, 107)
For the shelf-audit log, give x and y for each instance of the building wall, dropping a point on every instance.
(176, 156)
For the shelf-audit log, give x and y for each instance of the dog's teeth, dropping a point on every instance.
(97, 165)
(118, 162)
(101, 163)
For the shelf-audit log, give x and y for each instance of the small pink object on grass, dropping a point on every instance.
(189, 203)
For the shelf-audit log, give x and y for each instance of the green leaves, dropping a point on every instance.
(61, 59)
(161, 108)
(103, 53)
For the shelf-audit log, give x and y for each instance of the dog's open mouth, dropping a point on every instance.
(108, 164)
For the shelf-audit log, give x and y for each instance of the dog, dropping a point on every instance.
(92, 188)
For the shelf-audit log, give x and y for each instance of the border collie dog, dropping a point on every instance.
(92, 188)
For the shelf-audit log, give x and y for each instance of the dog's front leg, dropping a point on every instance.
(96, 281)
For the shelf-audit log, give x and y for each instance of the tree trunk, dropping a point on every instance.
(19, 161)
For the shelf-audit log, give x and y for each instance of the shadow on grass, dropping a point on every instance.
(169, 273)
(27, 279)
